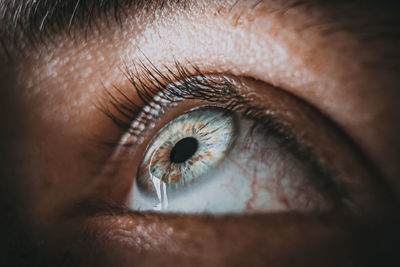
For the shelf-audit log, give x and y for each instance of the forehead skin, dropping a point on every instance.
(340, 57)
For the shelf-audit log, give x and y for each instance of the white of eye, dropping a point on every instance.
(246, 171)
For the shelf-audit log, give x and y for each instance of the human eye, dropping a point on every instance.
(290, 160)
(204, 143)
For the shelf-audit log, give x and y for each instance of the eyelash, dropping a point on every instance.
(158, 90)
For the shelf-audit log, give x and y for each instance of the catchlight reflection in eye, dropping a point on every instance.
(210, 161)
(184, 151)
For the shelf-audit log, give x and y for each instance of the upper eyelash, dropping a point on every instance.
(183, 83)
(174, 86)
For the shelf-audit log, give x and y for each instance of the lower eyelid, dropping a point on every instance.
(263, 237)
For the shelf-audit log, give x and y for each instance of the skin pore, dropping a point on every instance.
(336, 57)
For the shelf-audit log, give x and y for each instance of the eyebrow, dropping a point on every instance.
(29, 22)
(32, 22)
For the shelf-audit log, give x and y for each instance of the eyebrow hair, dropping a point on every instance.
(28, 22)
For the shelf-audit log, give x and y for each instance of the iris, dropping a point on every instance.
(184, 150)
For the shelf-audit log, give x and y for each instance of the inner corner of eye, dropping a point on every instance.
(209, 160)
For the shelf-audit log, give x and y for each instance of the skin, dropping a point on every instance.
(49, 163)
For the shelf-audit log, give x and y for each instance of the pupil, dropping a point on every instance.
(184, 150)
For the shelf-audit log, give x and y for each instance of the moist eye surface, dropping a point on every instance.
(211, 160)
(185, 150)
